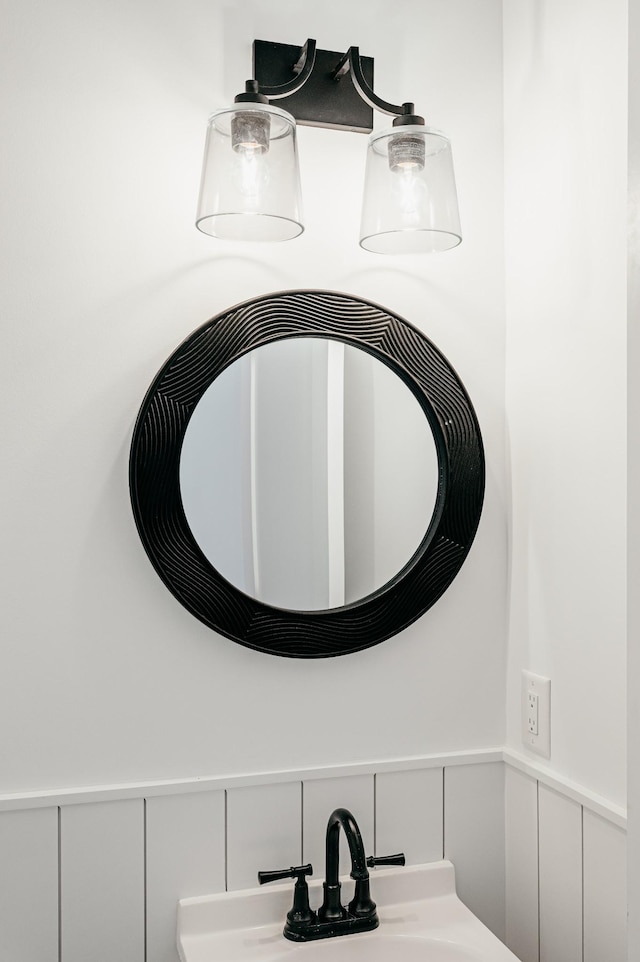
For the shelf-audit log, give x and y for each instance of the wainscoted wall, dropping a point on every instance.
(565, 873)
(96, 874)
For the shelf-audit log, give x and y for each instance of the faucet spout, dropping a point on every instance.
(361, 905)
(342, 818)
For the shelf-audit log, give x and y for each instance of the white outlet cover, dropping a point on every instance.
(532, 712)
(540, 686)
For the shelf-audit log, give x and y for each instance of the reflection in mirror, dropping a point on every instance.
(308, 474)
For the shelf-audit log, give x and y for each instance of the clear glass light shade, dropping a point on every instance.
(410, 203)
(250, 187)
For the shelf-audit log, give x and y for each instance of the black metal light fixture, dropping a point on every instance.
(250, 188)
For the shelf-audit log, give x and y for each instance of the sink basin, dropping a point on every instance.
(421, 920)
(386, 948)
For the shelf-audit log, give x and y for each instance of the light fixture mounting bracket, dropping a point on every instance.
(324, 98)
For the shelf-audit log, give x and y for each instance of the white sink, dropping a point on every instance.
(421, 920)
(387, 948)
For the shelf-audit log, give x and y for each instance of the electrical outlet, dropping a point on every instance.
(536, 713)
(532, 713)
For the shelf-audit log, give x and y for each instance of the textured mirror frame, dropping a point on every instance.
(155, 469)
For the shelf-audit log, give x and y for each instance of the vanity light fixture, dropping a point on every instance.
(250, 187)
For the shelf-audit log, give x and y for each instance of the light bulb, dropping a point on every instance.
(250, 173)
(406, 162)
(411, 194)
(250, 131)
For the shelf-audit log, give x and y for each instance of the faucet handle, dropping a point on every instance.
(297, 872)
(398, 859)
(300, 915)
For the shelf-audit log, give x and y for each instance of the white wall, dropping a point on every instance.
(565, 213)
(105, 677)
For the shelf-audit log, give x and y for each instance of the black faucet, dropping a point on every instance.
(332, 919)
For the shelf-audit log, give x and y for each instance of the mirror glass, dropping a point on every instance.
(308, 474)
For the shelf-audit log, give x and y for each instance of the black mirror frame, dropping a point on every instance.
(155, 463)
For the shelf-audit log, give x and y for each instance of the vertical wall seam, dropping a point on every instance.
(504, 856)
(301, 822)
(444, 847)
(375, 813)
(59, 884)
(538, 863)
(582, 872)
(144, 876)
(226, 841)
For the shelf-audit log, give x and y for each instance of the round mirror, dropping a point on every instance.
(389, 527)
(308, 474)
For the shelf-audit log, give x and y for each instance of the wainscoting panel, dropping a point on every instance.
(605, 890)
(264, 831)
(94, 875)
(320, 798)
(560, 828)
(29, 885)
(566, 872)
(102, 881)
(474, 838)
(409, 814)
(185, 851)
(521, 864)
